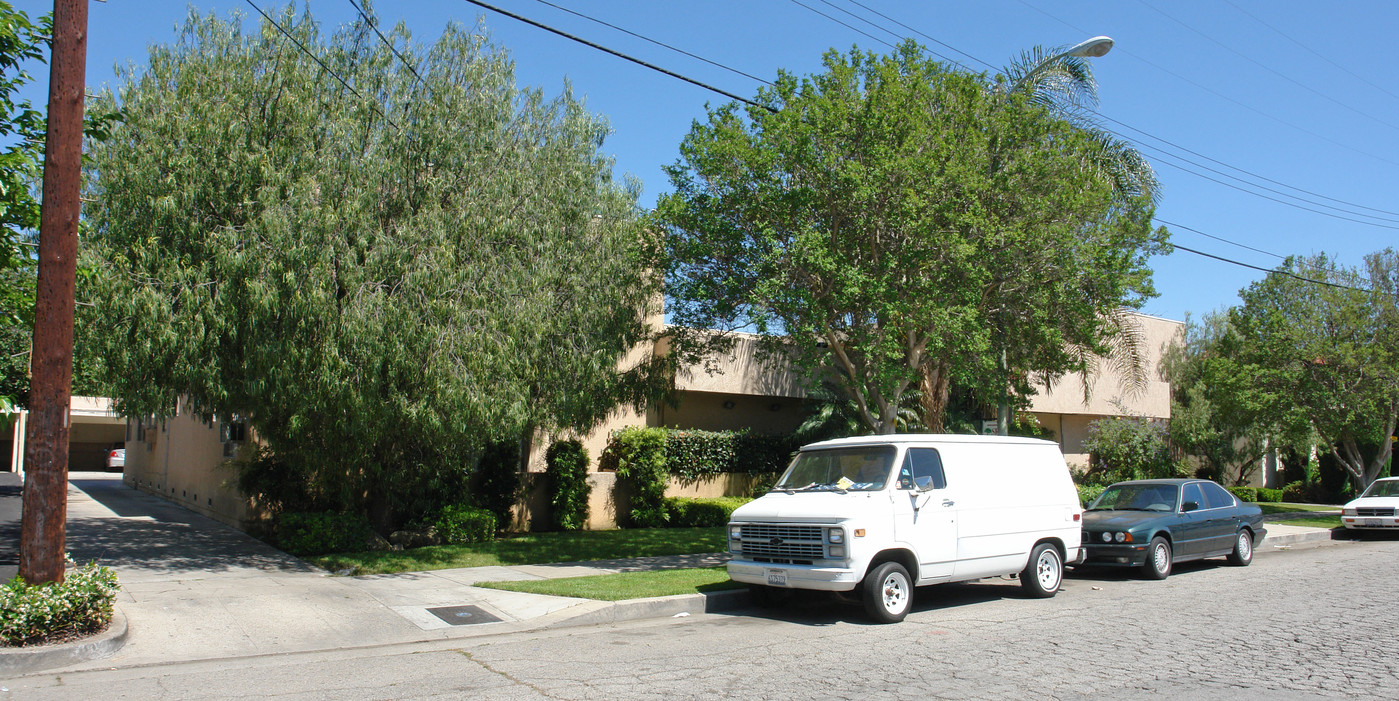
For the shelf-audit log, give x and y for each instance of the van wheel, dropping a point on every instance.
(888, 592)
(1243, 549)
(1044, 572)
(1158, 559)
(768, 597)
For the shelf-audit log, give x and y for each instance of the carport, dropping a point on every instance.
(93, 429)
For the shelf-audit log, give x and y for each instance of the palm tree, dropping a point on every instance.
(1061, 81)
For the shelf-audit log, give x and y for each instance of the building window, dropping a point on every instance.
(232, 433)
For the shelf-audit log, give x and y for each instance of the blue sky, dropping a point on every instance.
(1302, 94)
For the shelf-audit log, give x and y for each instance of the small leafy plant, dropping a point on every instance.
(460, 524)
(316, 534)
(80, 605)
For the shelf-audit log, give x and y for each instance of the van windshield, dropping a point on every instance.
(839, 469)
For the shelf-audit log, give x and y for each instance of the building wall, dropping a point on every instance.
(182, 459)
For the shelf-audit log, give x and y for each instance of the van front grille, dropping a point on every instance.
(773, 542)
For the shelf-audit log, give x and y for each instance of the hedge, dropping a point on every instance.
(1271, 496)
(699, 513)
(566, 468)
(694, 454)
(1248, 494)
(461, 524)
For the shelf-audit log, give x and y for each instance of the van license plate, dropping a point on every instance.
(777, 578)
(1372, 522)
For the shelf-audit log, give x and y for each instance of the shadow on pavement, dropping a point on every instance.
(814, 608)
(148, 533)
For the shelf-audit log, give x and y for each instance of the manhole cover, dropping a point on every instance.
(463, 615)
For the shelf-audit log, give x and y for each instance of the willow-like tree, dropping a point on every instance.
(881, 221)
(380, 263)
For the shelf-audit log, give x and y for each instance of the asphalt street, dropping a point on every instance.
(1312, 622)
(11, 510)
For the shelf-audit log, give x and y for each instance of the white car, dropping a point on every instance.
(116, 459)
(1374, 509)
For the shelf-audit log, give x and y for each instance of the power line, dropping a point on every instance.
(620, 55)
(949, 47)
(1310, 50)
(324, 67)
(1270, 69)
(1250, 266)
(653, 41)
(374, 24)
(890, 32)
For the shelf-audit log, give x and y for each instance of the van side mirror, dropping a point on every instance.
(1188, 506)
(923, 483)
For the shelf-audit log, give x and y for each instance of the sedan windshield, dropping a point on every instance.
(1137, 497)
(1384, 488)
(839, 469)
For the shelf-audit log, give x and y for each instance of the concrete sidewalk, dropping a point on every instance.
(194, 588)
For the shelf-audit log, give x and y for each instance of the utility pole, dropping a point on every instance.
(42, 523)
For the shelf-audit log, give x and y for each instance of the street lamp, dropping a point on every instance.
(1092, 48)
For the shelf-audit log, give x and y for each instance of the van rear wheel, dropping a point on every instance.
(1044, 572)
(888, 592)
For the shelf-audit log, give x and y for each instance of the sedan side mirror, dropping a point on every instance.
(1189, 506)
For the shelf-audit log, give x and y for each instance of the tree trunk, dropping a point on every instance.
(933, 392)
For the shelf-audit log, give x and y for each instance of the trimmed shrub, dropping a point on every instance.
(638, 455)
(761, 454)
(700, 513)
(80, 605)
(461, 524)
(567, 474)
(498, 480)
(691, 455)
(1248, 494)
(1269, 496)
(317, 534)
(1088, 492)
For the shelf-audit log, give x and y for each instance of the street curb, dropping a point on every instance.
(1320, 534)
(656, 607)
(23, 660)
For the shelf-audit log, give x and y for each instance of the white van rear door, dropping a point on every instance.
(925, 514)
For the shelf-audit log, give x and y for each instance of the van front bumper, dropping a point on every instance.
(815, 577)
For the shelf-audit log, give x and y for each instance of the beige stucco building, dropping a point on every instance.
(184, 459)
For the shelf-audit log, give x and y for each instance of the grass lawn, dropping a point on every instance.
(1320, 522)
(1272, 508)
(626, 585)
(534, 549)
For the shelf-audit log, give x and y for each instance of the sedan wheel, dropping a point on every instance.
(1158, 559)
(1243, 549)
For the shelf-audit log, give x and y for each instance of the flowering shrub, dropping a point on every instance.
(80, 605)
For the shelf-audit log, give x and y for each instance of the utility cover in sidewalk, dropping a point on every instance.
(463, 615)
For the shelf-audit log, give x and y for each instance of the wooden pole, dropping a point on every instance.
(45, 510)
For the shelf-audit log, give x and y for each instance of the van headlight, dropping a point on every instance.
(735, 532)
(835, 535)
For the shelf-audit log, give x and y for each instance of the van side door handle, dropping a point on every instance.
(948, 502)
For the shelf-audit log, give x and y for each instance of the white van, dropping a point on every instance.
(886, 513)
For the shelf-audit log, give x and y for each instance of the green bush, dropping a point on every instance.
(1088, 492)
(638, 455)
(1270, 496)
(1248, 494)
(80, 605)
(761, 454)
(461, 524)
(498, 480)
(316, 534)
(1295, 492)
(1129, 448)
(566, 470)
(700, 513)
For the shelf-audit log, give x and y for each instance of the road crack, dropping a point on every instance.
(507, 676)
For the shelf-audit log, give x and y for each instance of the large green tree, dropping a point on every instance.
(1328, 354)
(891, 222)
(380, 275)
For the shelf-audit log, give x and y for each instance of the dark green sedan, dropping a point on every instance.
(1153, 524)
